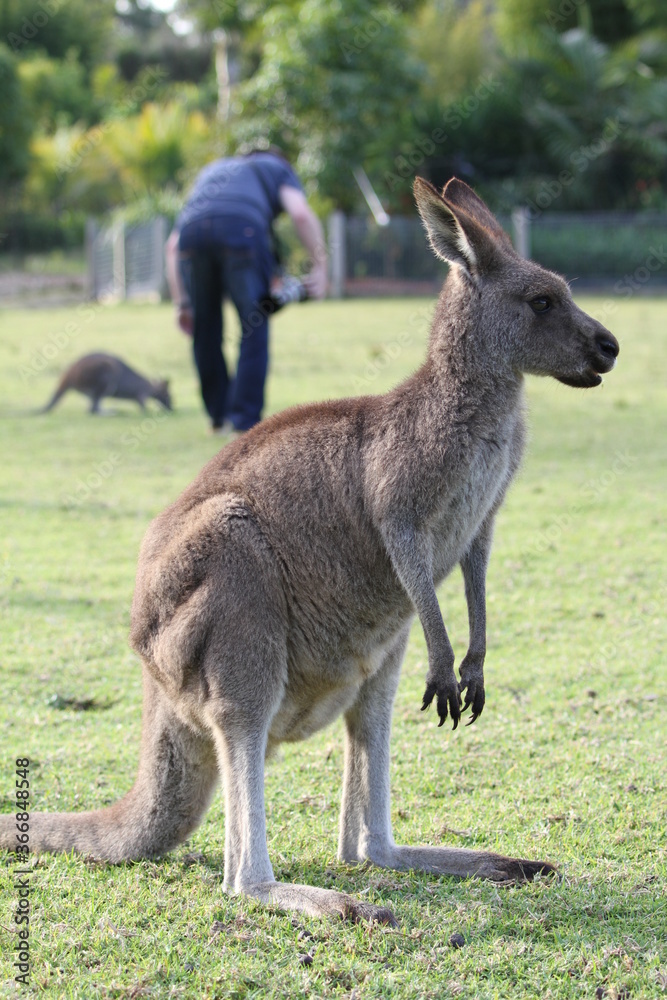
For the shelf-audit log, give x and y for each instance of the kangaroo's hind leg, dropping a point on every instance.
(106, 387)
(241, 736)
(245, 666)
(365, 829)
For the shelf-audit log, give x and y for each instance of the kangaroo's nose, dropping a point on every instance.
(607, 343)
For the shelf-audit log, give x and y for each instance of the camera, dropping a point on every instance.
(290, 289)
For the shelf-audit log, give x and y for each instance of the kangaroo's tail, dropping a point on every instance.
(60, 391)
(177, 776)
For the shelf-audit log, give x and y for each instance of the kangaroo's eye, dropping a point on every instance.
(541, 304)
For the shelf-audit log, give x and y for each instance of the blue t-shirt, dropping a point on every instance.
(245, 186)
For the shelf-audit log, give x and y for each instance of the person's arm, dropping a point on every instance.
(179, 295)
(311, 234)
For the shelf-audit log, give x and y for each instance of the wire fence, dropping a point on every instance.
(127, 262)
(601, 246)
(606, 249)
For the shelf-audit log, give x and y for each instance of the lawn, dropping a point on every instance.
(567, 763)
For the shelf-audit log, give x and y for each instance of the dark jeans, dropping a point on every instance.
(228, 257)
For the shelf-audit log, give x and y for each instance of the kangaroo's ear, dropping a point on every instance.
(456, 235)
(458, 194)
(445, 234)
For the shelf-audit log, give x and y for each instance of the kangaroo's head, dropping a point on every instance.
(162, 394)
(527, 317)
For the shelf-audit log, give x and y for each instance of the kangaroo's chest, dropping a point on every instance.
(471, 496)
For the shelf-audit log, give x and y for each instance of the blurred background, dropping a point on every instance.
(556, 112)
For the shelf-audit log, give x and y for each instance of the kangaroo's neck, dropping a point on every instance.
(462, 350)
(465, 381)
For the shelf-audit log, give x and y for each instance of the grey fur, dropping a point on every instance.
(277, 592)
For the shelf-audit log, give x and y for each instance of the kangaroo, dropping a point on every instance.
(278, 590)
(99, 375)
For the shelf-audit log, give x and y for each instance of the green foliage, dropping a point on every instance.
(517, 98)
(520, 22)
(236, 16)
(146, 39)
(57, 27)
(589, 109)
(125, 159)
(570, 113)
(74, 169)
(335, 85)
(151, 148)
(15, 124)
(38, 230)
(456, 46)
(57, 91)
(649, 13)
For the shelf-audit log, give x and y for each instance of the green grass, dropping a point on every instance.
(567, 763)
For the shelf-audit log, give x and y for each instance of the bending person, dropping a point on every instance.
(221, 247)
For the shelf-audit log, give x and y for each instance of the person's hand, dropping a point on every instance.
(316, 282)
(185, 319)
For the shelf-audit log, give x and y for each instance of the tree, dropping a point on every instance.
(520, 22)
(15, 123)
(56, 91)
(334, 87)
(575, 125)
(594, 113)
(57, 27)
(456, 44)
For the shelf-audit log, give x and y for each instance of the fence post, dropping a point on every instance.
(118, 256)
(159, 269)
(337, 254)
(521, 231)
(92, 228)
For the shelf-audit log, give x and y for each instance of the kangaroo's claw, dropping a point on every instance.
(475, 697)
(448, 699)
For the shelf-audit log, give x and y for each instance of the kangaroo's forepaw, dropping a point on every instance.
(448, 699)
(472, 682)
(475, 697)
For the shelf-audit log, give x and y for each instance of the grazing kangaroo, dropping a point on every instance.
(99, 375)
(277, 592)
